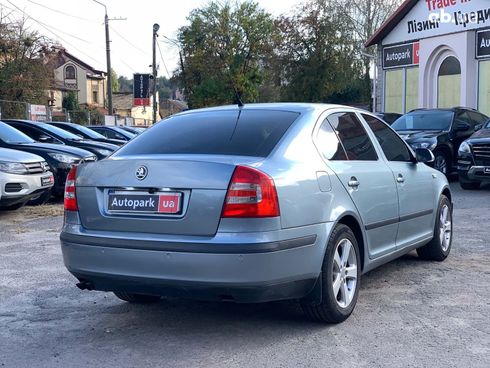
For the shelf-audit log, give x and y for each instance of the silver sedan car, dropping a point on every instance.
(253, 204)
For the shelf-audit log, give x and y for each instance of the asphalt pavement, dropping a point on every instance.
(410, 313)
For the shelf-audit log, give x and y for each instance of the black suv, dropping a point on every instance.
(440, 130)
(474, 159)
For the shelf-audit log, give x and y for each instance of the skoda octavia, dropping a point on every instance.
(253, 204)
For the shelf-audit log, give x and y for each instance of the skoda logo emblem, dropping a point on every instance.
(141, 173)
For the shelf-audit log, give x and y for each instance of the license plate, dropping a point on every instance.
(168, 203)
(47, 180)
(486, 170)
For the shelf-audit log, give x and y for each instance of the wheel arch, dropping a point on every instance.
(355, 225)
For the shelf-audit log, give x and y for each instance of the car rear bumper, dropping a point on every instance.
(211, 269)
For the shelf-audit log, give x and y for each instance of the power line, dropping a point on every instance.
(62, 12)
(128, 42)
(163, 61)
(48, 28)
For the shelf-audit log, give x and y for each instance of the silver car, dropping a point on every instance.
(253, 204)
(23, 177)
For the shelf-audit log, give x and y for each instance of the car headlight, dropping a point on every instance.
(427, 145)
(13, 168)
(464, 148)
(103, 152)
(64, 158)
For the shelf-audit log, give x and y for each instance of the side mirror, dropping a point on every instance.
(424, 155)
(44, 138)
(478, 127)
(462, 127)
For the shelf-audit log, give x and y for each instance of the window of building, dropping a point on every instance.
(394, 91)
(70, 72)
(449, 83)
(411, 89)
(484, 87)
(95, 97)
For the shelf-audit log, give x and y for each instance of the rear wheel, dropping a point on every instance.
(340, 278)
(440, 245)
(136, 298)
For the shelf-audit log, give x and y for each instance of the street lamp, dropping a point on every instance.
(108, 56)
(374, 58)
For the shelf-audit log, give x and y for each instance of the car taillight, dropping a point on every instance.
(251, 193)
(70, 195)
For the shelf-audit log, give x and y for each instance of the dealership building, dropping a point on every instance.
(434, 53)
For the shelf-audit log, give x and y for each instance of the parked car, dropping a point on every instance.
(60, 158)
(45, 133)
(23, 177)
(253, 204)
(440, 130)
(474, 159)
(86, 133)
(133, 129)
(388, 117)
(113, 132)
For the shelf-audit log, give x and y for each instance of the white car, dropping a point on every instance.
(23, 176)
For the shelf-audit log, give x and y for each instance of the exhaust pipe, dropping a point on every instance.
(85, 285)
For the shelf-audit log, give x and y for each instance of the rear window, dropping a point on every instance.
(245, 133)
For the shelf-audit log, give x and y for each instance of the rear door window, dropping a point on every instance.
(392, 145)
(328, 143)
(228, 132)
(357, 144)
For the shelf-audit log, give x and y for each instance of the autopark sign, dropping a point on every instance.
(483, 44)
(401, 55)
(141, 90)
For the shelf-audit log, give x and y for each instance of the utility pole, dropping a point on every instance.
(156, 27)
(108, 57)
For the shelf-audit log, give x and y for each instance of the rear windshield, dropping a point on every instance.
(245, 133)
(424, 120)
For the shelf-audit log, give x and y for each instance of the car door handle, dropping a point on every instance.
(353, 182)
(400, 178)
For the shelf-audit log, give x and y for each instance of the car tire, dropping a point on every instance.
(467, 184)
(137, 298)
(42, 199)
(340, 278)
(439, 247)
(13, 207)
(442, 162)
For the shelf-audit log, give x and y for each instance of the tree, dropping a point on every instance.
(23, 73)
(222, 51)
(70, 101)
(315, 55)
(115, 81)
(125, 84)
(364, 18)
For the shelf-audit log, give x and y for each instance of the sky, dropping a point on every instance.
(79, 26)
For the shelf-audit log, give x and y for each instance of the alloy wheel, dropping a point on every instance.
(344, 275)
(445, 227)
(440, 164)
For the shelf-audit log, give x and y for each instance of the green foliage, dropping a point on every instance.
(125, 84)
(115, 81)
(23, 74)
(70, 101)
(222, 52)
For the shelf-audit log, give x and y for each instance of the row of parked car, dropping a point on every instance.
(459, 138)
(48, 151)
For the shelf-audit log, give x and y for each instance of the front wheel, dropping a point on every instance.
(340, 278)
(439, 247)
(442, 162)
